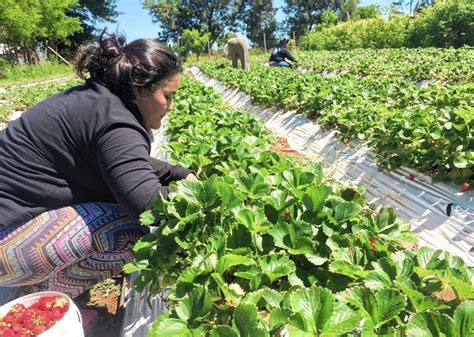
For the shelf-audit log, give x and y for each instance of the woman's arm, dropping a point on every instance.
(124, 162)
(167, 172)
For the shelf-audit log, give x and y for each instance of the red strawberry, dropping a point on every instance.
(46, 303)
(411, 177)
(38, 329)
(346, 141)
(464, 187)
(6, 332)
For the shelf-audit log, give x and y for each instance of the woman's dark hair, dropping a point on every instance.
(121, 67)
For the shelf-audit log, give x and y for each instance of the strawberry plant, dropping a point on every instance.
(263, 245)
(429, 129)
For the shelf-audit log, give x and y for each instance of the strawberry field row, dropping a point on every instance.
(414, 64)
(21, 98)
(263, 244)
(430, 129)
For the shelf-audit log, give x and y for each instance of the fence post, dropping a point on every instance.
(59, 56)
(208, 49)
(264, 43)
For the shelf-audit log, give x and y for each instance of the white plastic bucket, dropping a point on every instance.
(68, 326)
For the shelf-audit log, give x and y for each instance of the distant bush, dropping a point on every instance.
(370, 33)
(5, 67)
(447, 24)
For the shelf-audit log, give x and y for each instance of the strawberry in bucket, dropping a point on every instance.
(34, 319)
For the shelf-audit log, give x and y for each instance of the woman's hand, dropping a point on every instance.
(192, 177)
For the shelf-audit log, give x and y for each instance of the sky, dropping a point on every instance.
(135, 22)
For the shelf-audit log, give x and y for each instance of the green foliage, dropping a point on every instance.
(369, 12)
(192, 41)
(445, 65)
(215, 18)
(91, 14)
(427, 128)
(263, 244)
(10, 74)
(303, 16)
(21, 98)
(259, 20)
(24, 22)
(447, 24)
(369, 33)
(5, 68)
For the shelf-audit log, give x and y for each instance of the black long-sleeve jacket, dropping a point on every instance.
(78, 146)
(280, 53)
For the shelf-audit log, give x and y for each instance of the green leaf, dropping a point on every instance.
(464, 320)
(389, 304)
(349, 261)
(136, 266)
(380, 307)
(255, 219)
(428, 258)
(279, 317)
(377, 280)
(313, 308)
(194, 306)
(246, 319)
(317, 313)
(253, 184)
(346, 210)
(429, 324)
(148, 218)
(170, 327)
(230, 198)
(223, 331)
(343, 320)
(272, 297)
(314, 198)
(232, 291)
(276, 266)
(295, 237)
(316, 259)
(280, 200)
(230, 260)
(461, 161)
(418, 300)
(192, 191)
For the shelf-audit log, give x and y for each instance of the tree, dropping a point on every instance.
(192, 42)
(369, 12)
(348, 10)
(303, 16)
(24, 24)
(259, 20)
(54, 24)
(90, 14)
(213, 17)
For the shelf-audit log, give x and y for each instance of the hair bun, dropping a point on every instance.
(111, 45)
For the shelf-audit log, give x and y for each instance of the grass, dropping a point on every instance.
(21, 98)
(36, 72)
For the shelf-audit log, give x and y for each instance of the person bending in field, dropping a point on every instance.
(280, 56)
(236, 49)
(76, 171)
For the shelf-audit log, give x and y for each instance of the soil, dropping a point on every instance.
(104, 298)
(282, 147)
